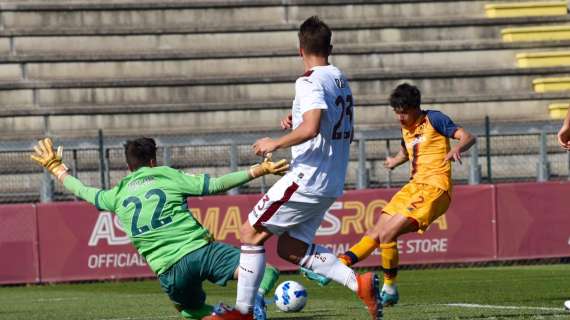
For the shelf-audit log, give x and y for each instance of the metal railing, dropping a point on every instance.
(501, 155)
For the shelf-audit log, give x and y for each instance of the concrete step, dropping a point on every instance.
(372, 112)
(348, 49)
(248, 89)
(78, 5)
(525, 9)
(267, 87)
(190, 14)
(543, 59)
(183, 63)
(158, 14)
(248, 37)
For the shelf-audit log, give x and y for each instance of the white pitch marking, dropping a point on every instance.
(488, 306)
(56, 299)
(61, 299)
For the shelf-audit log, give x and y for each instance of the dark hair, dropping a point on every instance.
(405, 97)
(315, 37)
(140, 152)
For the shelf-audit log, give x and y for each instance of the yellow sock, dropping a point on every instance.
(359, 251)
(390, 260)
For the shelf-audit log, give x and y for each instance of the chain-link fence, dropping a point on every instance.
(505, 157)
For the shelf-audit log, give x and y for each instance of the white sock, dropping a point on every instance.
(323, 261)
(251, 269)
(389, 289)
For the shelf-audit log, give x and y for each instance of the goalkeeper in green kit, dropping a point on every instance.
(151, 203)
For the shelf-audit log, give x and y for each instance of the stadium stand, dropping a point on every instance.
(538, 59)
(209, 67)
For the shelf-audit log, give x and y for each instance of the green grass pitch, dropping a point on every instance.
(527, 292)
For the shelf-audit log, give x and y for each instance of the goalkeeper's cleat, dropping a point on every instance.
(389, 300)
(260, 308)
(224, 312)
(369, 293)
(313, 276)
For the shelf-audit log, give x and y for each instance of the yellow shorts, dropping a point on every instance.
(421, 202)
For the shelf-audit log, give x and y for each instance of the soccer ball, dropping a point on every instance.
(290, 296)
(567, 305)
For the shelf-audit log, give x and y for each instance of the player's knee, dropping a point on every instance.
(249, 235)
(379, 227)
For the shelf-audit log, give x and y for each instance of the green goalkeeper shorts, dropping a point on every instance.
(215, 262)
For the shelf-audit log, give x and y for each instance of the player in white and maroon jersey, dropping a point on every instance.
(322, 129)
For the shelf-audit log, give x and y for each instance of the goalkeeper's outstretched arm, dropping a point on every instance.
(238, 178)
(89, 194)
(45, 156)
(52, 161)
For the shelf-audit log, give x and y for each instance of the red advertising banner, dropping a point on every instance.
(487, 222)
(533, 220)
(465, 233)
(18, 244)
(77, 242)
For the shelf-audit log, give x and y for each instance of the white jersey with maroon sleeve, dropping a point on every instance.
(320, 164)
(297, 203)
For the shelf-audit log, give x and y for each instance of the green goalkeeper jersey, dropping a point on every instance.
(152, 207)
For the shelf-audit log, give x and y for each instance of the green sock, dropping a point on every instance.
(204, 311)
(270, 277)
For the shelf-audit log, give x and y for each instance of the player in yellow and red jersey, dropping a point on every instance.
(425, 143)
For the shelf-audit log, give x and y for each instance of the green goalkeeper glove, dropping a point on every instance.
(47, 158)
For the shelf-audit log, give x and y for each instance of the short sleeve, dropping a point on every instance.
(194, 185)
(442, 123)
(310, 94)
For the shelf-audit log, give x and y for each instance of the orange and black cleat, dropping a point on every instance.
(369, 293)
